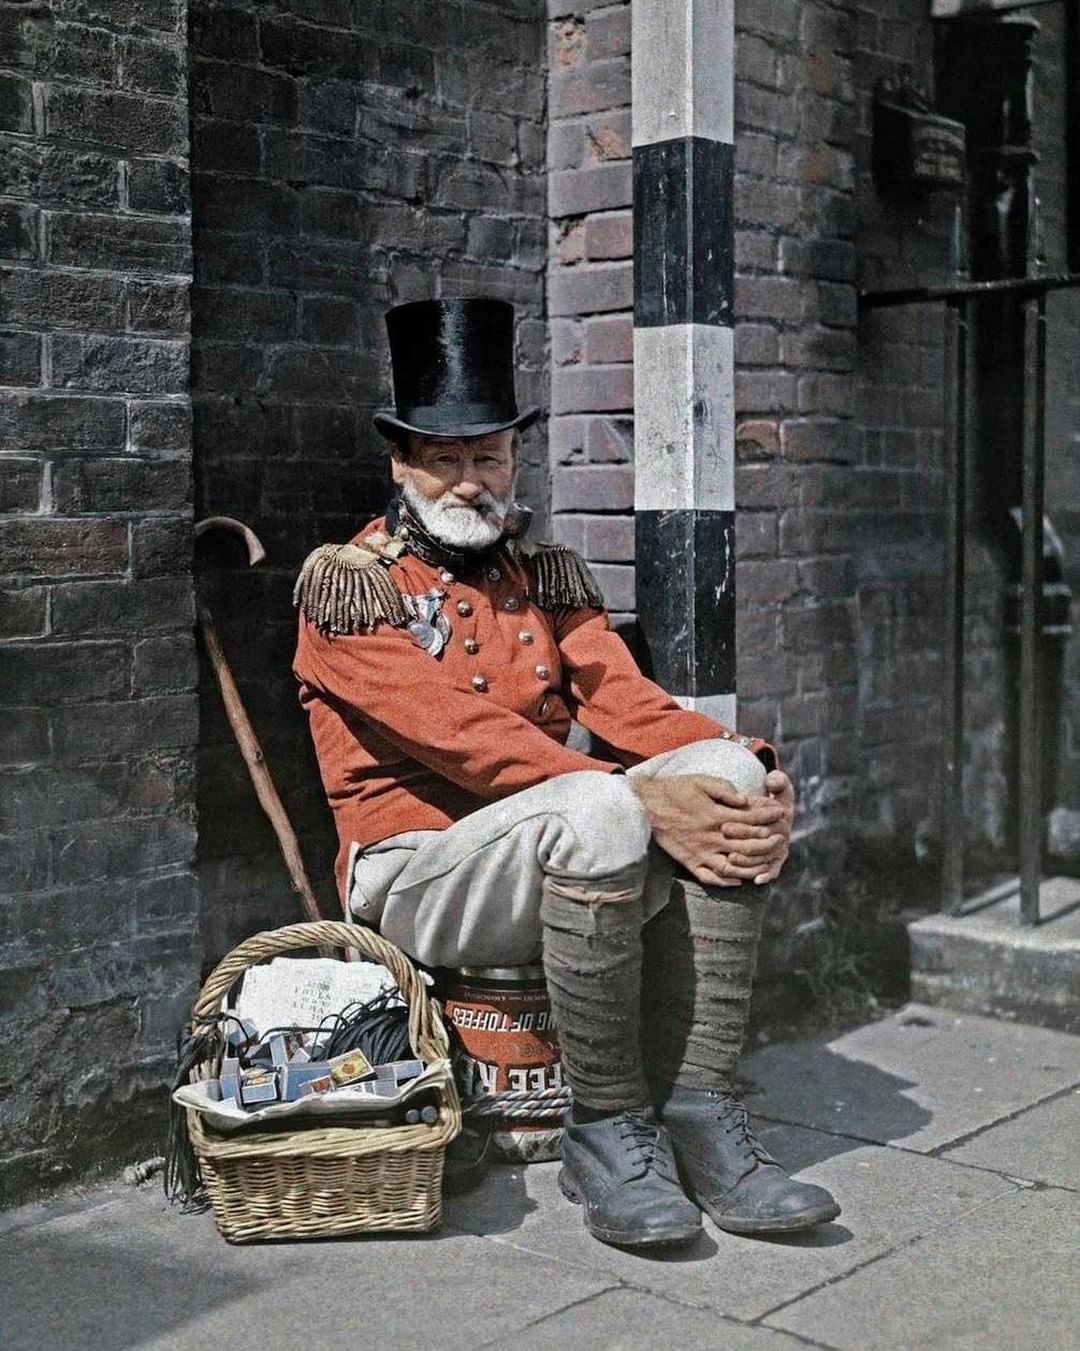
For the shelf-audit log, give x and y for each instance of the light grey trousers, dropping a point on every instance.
(470, 895)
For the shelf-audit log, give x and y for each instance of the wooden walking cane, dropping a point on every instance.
(240, 723)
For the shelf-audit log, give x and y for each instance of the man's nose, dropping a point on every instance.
(468, 487)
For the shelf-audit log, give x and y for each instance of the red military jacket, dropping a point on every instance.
(414, 737)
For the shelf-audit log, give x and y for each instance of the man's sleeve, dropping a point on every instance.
(617, 702)
(396, 687)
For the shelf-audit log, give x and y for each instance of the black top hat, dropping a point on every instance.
(453, 366)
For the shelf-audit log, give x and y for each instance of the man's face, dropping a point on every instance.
(461, 489)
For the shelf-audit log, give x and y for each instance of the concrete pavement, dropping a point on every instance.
(952, 1142)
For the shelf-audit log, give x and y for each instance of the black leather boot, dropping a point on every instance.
(621, 1169)
(731, 1175)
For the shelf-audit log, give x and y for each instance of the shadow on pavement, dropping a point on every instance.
(102, 1298)
(498, 1204)
(845, 1102)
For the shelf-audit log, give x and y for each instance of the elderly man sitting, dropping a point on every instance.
(441, 660)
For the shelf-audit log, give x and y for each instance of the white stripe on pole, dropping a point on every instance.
(684, 425)
(719, 707)
(683, 70)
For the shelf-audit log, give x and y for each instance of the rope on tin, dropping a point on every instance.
(537, 1104)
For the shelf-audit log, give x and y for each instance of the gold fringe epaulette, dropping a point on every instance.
(561, 578)
(343, 588)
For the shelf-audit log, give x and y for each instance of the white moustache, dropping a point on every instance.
(462, 525)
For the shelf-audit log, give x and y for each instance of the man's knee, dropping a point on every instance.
(609, 827)
(719, 757)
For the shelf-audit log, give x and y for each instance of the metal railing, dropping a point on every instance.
(960, 301)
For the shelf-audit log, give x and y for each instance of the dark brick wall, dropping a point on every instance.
(590, 291)
(795, 379)
(1063, 411)
(345, 157)
(839, 437)
(900, 485)
(895, 503)
(97, 661)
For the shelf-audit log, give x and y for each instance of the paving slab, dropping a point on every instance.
(888, 1196)
(1040, 1145)
(132, 1272)
(921, 1125)
(921, 1078)
(1001, 1277)
(630, 1320)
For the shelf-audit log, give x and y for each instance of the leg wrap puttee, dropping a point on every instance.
(592, 962)
(700, 953)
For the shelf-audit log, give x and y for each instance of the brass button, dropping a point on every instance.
(543, 672)
(445, 576)
(525, 636)
(511, 603)
(464, 608)
(493, 574)
(479, 683)
(471, 646)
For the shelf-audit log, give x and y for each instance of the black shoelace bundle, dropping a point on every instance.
(377, 1028)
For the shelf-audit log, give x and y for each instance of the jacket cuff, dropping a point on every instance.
(766, 753)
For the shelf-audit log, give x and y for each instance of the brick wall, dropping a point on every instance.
(1063, 411)
(97, 670)
(795, 353)
(839, 435)
(590, 291)
(345, 158)
(896, 488)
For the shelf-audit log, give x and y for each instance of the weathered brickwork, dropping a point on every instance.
(895, 508)
(1062, 423)
(590, 290)
(795, 352)
(345, 157)
(839, 434)
(97, 658)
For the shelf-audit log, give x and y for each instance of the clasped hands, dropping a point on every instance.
(721, 836)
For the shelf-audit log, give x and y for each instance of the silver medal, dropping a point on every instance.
(429, 627)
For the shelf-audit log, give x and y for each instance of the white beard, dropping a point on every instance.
(461, 527)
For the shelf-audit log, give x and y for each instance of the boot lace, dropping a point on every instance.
(734, 1120)
(644, 1137)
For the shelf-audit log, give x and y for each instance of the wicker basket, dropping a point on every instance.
(324, 1182)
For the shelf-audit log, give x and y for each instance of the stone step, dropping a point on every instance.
(986, 961)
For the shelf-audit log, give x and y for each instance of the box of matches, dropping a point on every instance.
(229, 1078)
(349, 1068)
(404, 1070)
(375, 1088)
(294, 1077)
(257, 1087)
(322, 1085)
(239, 1034)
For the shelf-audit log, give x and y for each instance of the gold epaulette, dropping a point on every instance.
(343, 588)
(560, 578)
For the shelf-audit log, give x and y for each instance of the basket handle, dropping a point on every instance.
(427, 1036)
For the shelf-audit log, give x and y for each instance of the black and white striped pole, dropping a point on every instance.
(684, 402)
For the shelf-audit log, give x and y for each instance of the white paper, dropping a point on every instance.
(347, 1101)
(301, 992)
